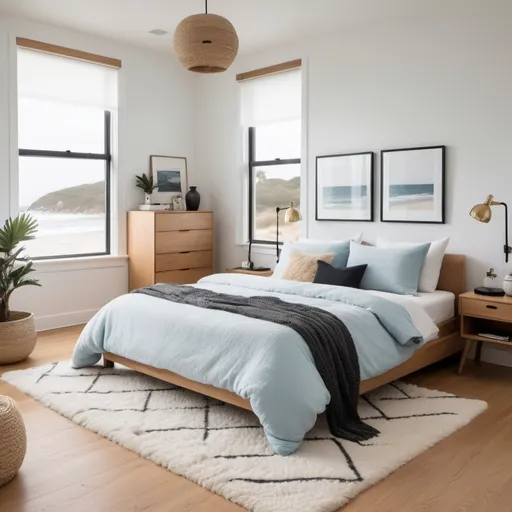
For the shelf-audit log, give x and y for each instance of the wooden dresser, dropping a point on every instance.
(169, 247)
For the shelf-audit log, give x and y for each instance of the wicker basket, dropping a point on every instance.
(17, 337)
(13, 439)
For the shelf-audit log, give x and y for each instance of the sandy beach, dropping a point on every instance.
(66, 243)
(417, 203)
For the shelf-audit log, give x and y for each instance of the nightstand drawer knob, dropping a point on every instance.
(491, 307)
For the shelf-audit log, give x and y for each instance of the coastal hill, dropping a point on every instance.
(88, 198)
(272, 192)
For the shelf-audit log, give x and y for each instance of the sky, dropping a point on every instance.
(414, 167)
(60, 127)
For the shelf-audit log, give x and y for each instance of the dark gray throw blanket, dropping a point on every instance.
(327, 337)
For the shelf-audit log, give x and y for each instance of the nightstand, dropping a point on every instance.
(261, 273)
(483, 314)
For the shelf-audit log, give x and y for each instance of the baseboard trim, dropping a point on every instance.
(47, 322)
(495, 354)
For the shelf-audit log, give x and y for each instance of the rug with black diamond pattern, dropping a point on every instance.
(223, 448)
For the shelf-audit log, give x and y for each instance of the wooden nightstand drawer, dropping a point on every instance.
(487, 309)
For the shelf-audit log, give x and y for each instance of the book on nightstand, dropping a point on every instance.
(493, 336)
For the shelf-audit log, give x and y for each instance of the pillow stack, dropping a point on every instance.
(402, 268)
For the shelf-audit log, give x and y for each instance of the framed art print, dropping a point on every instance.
(344, 187)
(413, 185)
(170, 174)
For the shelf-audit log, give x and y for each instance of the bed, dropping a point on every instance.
(448, 342)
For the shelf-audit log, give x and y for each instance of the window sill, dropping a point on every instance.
(85, 263)
(260, 248)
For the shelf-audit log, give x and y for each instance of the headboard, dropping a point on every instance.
(453, 275)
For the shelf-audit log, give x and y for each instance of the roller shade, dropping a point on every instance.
(47, 77)
(271, 99)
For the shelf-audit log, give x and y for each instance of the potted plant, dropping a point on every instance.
(146, 183)
(490, 276)
(17, 329)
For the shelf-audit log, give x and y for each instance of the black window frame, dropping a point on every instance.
(261, 163)
(106, 156)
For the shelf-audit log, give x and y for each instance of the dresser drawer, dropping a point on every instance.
(188, 276)
(183, 260)
(487, 309)
(181, 241)
(183, 221)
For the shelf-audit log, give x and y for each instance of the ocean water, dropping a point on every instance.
(51, 224)
(403, 192)
(342, 196)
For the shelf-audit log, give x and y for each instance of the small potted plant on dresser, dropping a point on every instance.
(17, 329)
(146, 183)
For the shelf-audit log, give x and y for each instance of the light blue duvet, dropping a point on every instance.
(267, 363)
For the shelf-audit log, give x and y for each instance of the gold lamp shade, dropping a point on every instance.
(482, 212)
(292, 214)
(206, 43)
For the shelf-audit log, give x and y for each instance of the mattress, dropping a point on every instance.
(439, 305)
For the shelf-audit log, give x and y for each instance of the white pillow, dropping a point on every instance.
(429, 275)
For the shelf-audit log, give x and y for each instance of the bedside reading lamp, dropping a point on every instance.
(291, 215)
(483, 213)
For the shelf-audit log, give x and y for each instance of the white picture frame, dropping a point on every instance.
(170, 174)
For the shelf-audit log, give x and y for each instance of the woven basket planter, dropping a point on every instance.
(13, 439)
(17, 337)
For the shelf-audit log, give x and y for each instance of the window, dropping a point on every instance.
(271, 114)
(64, 137)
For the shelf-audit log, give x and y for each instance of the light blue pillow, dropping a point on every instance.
(390, 269)
(341, 250)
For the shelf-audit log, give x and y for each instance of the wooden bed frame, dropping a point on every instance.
(452, 279)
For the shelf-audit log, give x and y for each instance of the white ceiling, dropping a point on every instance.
(259, 23)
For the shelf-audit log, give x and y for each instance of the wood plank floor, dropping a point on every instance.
(68, 468)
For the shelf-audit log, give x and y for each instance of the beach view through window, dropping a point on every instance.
(276, 185)
(65, 195)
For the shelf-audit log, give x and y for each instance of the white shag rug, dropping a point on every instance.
(223, 448)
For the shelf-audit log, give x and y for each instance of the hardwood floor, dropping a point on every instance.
(69, 468)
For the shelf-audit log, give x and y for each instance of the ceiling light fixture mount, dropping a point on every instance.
(206, 43)
(158, 32)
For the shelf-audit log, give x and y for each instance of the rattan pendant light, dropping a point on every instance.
(206, 43)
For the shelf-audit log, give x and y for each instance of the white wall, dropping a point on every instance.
(444, 79)
(155, 105)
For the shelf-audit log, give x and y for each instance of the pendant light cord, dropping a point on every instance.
(206, 6)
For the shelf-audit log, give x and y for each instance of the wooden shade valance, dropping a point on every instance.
(67, 52)
(270, 70)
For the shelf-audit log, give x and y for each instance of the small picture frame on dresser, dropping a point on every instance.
(178, 204)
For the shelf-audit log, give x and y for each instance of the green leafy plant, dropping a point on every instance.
(146, 183)
(491, 274)
(14, 268)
